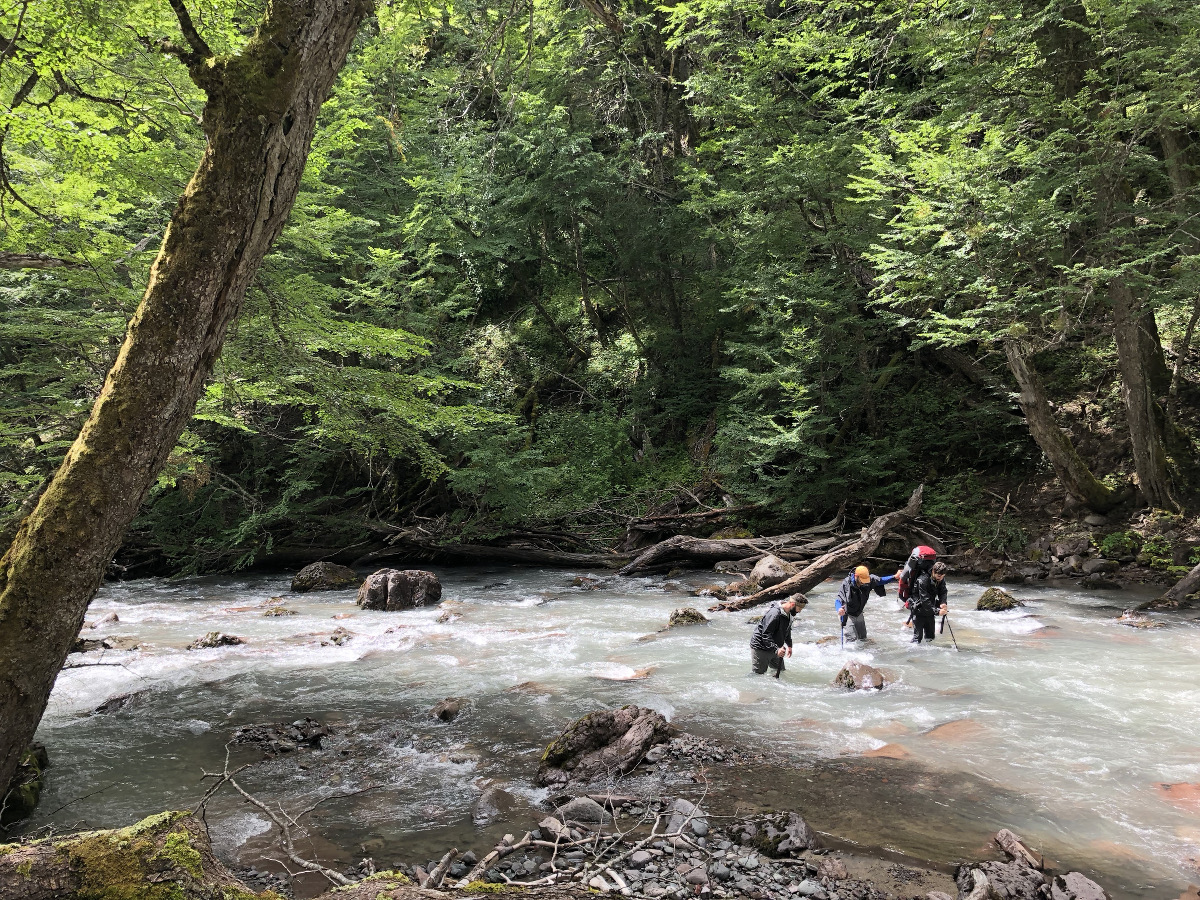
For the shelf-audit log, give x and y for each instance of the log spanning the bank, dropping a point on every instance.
(485, 553)
(1177, 596)
(837, 560)
(796, 545)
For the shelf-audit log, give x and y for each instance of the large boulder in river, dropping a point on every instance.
(996, 599)
(771, 570)
(602, 744)
(447, 710)
(216, 639)
(325, 576)
(396, 589)
(859, 676)
(686, 615)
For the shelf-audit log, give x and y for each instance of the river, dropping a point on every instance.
(1054, 720)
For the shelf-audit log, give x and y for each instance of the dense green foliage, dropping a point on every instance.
(556, 259)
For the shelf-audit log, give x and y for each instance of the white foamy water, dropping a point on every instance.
(1053, 720)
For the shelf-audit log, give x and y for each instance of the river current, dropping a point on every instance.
(1054, 720)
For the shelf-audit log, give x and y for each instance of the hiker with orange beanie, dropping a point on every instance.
(853, 595)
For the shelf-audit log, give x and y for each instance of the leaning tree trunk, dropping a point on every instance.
(1073, 473)
(838, 560)
(1135, 358)
(259, 119)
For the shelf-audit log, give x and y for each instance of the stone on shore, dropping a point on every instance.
(996, 599)
(771, 570)
(392, 590)
(686, 615)
(325, 576)
(990, 880)
(583, 811)
(1076, 886)
(859, 676)
(1097, 582)
(602, 744)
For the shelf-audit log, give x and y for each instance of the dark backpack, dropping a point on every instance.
(920, 562)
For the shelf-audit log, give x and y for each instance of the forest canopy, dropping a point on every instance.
(553, 261)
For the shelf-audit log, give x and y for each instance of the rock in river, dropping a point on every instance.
(604, 743)
(997, 600)
(215, 639)
(771, 570)
(447, 710)
(859, 676)
(395, 589)
(686, 615)
(325, 576)
(1076, 886)
(583, 810)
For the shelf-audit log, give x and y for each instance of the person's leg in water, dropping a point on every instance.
(860, 627)
(922, 628)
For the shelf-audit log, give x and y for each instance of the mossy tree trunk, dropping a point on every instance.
(259, 119)
(1072, 472)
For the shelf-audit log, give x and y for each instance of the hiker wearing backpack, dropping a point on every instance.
(852, 599)
(928, 601)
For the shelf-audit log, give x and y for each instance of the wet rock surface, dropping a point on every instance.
(216, 639)
(325, 576)
(392, 590)
(449, 709)
(857, 676)
(88, 645)
(771, 570)
(686, 615)
(602, 743)
(280, 737)
(997, 600)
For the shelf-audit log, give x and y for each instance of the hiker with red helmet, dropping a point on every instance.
(852, 599)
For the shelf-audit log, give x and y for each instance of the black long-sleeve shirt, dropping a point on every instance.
(774, 630)
(928, 595)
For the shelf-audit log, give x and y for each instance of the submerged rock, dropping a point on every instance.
(1135, 619)
(87, 645)
(281, 737)
(686, 615)
(448, 710)
(859, 676)
(325, 576)
(279, 611)
(1097, 582)
(771, 570)
(996, 599)
(602, 744)
(216, 639)
(396, 589)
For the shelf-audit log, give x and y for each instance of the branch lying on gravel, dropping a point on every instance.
(837, 560)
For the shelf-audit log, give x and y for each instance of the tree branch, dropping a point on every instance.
(200, 49)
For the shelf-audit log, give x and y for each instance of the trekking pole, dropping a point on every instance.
(843, 620)
(943, 628)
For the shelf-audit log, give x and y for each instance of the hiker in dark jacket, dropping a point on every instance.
(928, 602)
(852, 599)
(772, 639)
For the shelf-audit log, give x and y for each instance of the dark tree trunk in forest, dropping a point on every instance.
(1135, 356)
(1073, 473)
(259, 119)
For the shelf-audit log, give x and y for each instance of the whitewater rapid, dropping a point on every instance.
(1053, 719)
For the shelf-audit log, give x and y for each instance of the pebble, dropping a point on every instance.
(640, 858)
(697, 876)
(748, 862)
(699, 828)
(810, 888)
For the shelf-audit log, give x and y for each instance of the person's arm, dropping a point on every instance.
(943, 593)
(878, 582)
(839, 604)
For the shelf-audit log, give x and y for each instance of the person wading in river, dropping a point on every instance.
(772, 639)
(928, 602)
(852, 599)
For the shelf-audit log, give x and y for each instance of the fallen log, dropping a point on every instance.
(839, 559)
(167, 855)
(1177, 596)
(484, 553)
(683, 548)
